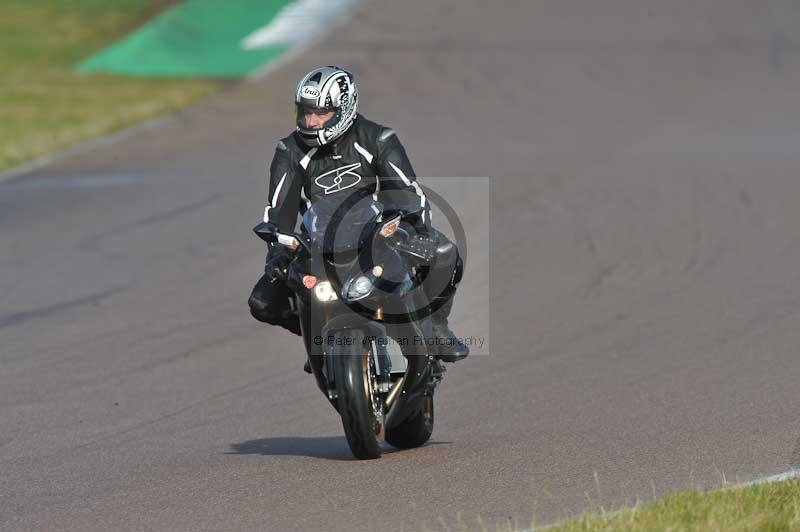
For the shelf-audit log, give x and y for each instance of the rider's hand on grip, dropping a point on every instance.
(278, 263)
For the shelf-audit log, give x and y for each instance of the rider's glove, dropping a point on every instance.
(278, 260)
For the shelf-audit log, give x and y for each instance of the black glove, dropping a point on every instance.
(278, 260)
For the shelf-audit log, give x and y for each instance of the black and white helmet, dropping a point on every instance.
(324, 89)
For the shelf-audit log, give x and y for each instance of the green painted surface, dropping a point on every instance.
(45, 105)
(195, 38)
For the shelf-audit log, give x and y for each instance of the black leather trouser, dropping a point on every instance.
(442, 277)
(270, 303)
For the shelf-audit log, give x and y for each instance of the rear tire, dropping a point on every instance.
(363, 426)
(415, 430)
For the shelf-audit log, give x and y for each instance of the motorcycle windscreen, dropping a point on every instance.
(342, 223)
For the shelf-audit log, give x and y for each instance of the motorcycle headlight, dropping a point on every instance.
(359, 287)
(325, 292)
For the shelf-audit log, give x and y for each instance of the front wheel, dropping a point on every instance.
(357, 399)
(415, 430)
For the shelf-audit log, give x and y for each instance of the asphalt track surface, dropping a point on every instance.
(645, 295)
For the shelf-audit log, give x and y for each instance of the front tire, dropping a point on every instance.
(357, 400)
(414, 431)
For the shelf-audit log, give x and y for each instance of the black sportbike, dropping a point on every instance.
(356, 281)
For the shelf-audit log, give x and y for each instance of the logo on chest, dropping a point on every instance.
(339, 178)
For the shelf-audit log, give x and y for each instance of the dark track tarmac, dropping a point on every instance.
(645, 295)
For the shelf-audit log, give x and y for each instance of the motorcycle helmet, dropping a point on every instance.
(323, 91)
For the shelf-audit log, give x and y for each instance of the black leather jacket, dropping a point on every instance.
(368, 157)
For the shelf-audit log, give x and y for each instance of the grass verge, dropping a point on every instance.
(44, 104)
(766, 507)
(773, 506)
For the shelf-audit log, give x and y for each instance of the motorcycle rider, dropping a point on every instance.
(335, 149)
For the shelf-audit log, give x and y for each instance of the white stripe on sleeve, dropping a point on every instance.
(367, 155)
(414, 184)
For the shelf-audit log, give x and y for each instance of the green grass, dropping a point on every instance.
(44, 104)
(773, 506)
(768, 507)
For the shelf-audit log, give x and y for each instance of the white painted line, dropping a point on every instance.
(310, 36)
(314, 37)
(295, 23)
(780, 477)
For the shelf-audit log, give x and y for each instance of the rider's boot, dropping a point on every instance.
(307, 367)
(448, 347)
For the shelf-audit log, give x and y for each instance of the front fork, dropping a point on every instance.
(423, 372)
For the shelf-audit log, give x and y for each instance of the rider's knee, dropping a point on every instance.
(458, 271)
(441, 278)
(268, 301)
(263, 311)
(448, 258)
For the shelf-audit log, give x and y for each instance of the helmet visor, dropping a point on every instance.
(310, 119)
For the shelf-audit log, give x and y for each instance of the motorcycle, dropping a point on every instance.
(355, 279)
